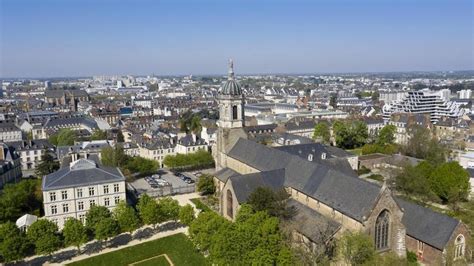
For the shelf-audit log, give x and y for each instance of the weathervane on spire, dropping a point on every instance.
(231, 69)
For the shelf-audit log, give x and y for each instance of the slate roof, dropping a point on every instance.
(224, 174)
(351, 196)
(83, 172)
(58, 122)
(244, 185)
(311, 223)
(335, 157)
(427, 225)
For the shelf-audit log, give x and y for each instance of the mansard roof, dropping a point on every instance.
(343, 191)
(83, 172)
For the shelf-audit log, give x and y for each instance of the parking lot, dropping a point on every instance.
(166, 182)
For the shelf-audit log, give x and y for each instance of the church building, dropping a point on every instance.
(325, 193)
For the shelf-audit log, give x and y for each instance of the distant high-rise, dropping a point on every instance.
(465, 94)
(424, 102)
(47, 84)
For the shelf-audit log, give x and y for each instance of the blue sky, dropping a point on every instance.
(53, 38)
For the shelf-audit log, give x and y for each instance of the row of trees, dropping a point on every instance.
(116, 157)
(198, 160)
(253, 239)
(43, 236)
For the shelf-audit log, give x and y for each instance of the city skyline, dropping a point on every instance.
(86, 38)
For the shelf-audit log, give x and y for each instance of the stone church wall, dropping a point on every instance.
(397, 229)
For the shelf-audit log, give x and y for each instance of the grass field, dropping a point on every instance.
(154, 261)
(177, 247)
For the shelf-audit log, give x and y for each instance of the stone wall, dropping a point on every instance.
(397, 229)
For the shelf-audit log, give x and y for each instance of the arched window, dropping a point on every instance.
(382, 230)
(230, 209)
(459, 246)
(234, 112)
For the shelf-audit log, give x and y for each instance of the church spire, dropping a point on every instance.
(231, 69)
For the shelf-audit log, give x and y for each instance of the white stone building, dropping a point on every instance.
(71, 191)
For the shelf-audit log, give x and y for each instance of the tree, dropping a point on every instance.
(99, 135)
(321, 131)
(64, 137)
(195, 125)
(75, 234)
(17, 199)
(126, 217)
(13, 243)
(142, 165)
(414, 180)
(450, 182)
(386, 135)
(274, 202)
(169, 208)
(113, 156)
(106, 228)
(120, 137)
(350, 134)
(148, 210)
(357, 248)
(423, 145)
(186, 214)
(95, 215)
(333, 101)
(206, 185)
(44, 234)
(47, 166)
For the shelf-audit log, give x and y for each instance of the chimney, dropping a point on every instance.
(194, 137)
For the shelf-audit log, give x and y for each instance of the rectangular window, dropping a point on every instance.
(116, 188)
(80, 205)
(421, 246)
(52, 196)
(65, 208)
(91, 191)
(79, 192)
(106, 189)
(82, 218)
(54, 209)
(91, 203)
(64, 195)
(117, 200)
(106, 202)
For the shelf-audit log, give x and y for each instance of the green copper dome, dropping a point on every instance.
(231, 87)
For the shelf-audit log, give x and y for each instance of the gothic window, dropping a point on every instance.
(382, 229)
(230, 210)
(234, 112)
(459, 245)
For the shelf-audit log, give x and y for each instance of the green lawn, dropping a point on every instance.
(156, 261)
(178, 248)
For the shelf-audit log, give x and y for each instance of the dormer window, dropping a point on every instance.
(310, 157)
(323, 155)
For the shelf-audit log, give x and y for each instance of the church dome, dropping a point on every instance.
(231, 87)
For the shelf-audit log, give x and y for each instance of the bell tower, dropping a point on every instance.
(231, 102)
(231, 118)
